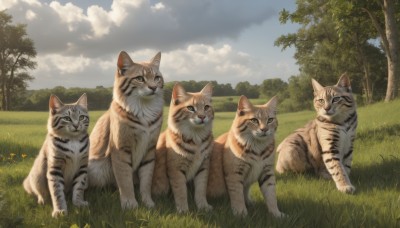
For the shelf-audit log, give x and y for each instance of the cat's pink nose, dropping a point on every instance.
(202, 117)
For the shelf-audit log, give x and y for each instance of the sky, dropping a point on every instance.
(78, 41)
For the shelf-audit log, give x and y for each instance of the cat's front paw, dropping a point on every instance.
(149, 203)
(205, 207)
(128, 204)
(80, 203)
(59, 213)
(279, 214)
(348, 189)
(242, 212)
(182, 210)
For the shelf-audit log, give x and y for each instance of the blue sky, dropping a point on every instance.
(226, 40)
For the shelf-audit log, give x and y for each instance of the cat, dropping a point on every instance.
(61, 165)
(183, 148)
(325, 144)
(244, 155)
(124, 138)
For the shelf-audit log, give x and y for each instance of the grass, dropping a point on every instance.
(308, 200)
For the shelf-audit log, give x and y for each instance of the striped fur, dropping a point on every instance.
(325, 144)
(183, 149)
(61, 165)
(245, 155)
(124, 138)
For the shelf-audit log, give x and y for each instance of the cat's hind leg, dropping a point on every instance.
(292, 156)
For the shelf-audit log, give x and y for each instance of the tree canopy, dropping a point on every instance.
(17, 52)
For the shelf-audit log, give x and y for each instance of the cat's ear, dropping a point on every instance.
(55, 104)
(82, 101)
(344, 82)
(272, 103)
(244, 105)
(207, 90)
(155, 61)
(124, 62)
(317, 87)
(178, 94)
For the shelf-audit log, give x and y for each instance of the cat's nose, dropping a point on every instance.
(327, 107)
(153, 88)
(202, 117)
(264, 129)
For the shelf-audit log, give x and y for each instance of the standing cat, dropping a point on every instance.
(61, 165)
(124, 138)
(183, 149)
(245, 155)
(325, 144)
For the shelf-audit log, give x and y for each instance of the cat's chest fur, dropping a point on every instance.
(254, 172)
(197, 160)
(73, 157)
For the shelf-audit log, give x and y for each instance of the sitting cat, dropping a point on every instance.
(61, 165)
(325, 144)
(245, 155)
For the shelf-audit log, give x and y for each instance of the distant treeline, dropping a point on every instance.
(294, 95)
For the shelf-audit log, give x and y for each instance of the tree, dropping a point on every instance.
(250, 91)
(16, 54)
(272, 87)
(390, 39)
(334, 38)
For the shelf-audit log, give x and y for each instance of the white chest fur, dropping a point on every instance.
(73, 158)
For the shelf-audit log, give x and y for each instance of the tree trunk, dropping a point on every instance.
(393, 53)
(3, 93)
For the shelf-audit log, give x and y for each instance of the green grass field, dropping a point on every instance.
(308, 200)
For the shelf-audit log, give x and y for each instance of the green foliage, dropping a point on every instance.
(307, 200)
(250, 91)
(16, 54)
(335, 37)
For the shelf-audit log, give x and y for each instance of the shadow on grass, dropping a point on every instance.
(378, 134)
(383, 174)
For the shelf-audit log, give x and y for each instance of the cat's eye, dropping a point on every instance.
(206, 107)
(335, 99)
(190, 108)
(254, 121)
(67, 118)
(157, 78)
(270, 120)
(139, 78)
(321, 101)
(82, 118)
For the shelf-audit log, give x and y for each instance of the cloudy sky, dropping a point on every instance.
(78, 41)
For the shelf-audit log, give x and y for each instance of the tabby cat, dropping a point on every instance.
(245, 155)
(61, 165)
(124, 138)
(325, 144)
(183, 149)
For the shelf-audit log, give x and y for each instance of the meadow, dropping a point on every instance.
(307, 200)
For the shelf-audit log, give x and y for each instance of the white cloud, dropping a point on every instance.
(78, 46)
(158, 6)
(99, 20)
(69, 14)
(30, 15)
(5, 4)
(63, 64)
